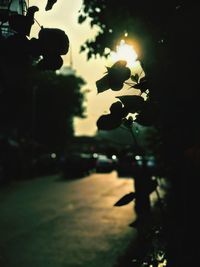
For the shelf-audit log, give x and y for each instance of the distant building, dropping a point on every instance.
(93, 144)
(7, 8)
(16, 6)
(66, 70)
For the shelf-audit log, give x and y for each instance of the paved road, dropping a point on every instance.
(48, 222)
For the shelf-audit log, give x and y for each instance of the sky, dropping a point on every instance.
(64, 15)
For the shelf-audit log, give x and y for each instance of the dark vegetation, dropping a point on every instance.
(168, 48)
(37, 104)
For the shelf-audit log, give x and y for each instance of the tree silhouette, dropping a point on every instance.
(35, 102)
(167, 33)
(57, 100)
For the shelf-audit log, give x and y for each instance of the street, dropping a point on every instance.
(58, 223)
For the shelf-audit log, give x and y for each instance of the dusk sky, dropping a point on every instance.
(64, 15)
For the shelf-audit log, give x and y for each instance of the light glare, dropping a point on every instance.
(125, 52)
(53, 155)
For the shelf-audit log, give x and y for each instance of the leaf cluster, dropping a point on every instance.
(115, 78)
(45, 51)
(31, 92)
(116, 75)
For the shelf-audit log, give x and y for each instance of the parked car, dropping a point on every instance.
(104, 164)
(76, 165)
(129, 164)
(45, 164)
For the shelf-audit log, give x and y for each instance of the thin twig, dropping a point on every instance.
(38, 23)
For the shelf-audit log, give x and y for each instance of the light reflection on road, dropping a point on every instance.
(55, 223)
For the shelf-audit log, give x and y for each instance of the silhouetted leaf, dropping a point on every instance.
(125, 199)
(82, 48)
(118, 74)
(116, 85)
(53, 41)
(35, 48)
(115, 107)
(148, 115)
(133, 103)
(144, 119)
(108, 122)
(115, 77)
(52, 62)
(118, 110)
(81, 19)
(142, 85)
(50, 4)
(135, 78)
(128, 122)
(102, 84)
(125, 112)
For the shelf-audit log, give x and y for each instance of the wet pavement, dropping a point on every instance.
(58, 223)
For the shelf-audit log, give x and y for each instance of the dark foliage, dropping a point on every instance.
(133, 103)
(167, 34)
(108, 122)
(37, 106)
(125, 199)
(50, 4)
(57, 99)
(115, 77)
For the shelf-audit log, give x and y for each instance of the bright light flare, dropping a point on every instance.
(125, 52)
(53, 155)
